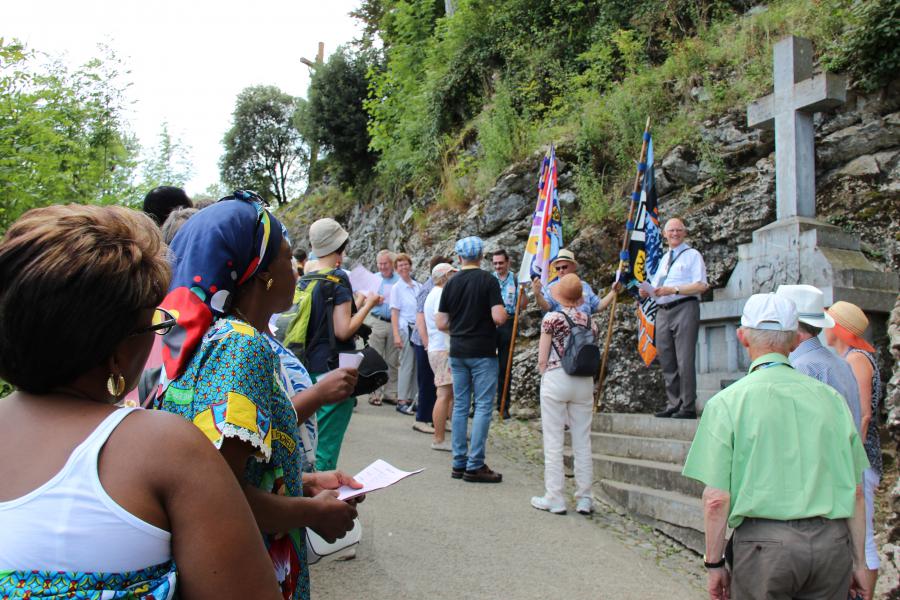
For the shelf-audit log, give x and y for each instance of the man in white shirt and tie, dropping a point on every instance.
(678, 283)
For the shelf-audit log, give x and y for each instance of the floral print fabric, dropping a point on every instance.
(232, 388)
(152, 583)
(295, 379)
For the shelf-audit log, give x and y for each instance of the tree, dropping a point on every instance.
(167, 163)
(62, 138)
(263, 150)
(336, 118)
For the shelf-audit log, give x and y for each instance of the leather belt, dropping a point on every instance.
(383, 319)
(670, 305)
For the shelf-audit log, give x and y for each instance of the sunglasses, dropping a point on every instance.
(162, 323)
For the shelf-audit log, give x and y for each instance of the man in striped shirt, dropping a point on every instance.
(811, 357)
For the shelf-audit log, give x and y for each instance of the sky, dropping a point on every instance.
(189, 59)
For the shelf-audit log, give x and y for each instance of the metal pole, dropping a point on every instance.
(638, 179)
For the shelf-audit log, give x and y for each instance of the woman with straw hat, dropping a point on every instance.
(846, 337)
(565, 399)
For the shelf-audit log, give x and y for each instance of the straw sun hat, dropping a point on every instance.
(568, 291)
(850, 325)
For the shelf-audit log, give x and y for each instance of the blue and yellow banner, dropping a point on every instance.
(644, 254)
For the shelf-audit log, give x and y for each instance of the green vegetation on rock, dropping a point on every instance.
(453, 100)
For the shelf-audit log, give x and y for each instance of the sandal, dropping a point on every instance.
(375, 401)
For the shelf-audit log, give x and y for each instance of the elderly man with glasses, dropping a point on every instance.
(565, 263)
(677, 285)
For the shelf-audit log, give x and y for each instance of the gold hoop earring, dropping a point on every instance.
(115, 385)
(269, 284)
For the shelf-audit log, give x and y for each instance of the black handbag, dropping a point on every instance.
(373, 372)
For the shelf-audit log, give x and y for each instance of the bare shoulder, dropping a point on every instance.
(164, 434)
(859, 362)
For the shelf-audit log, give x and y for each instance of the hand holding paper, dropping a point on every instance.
(376, 476)
(349, 360)
(647, 288)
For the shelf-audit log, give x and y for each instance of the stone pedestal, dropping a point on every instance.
(791, 251)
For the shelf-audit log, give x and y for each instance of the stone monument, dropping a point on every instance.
(796, 248)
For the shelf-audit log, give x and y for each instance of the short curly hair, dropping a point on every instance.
(73, 280)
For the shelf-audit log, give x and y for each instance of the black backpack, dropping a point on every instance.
(581, 355)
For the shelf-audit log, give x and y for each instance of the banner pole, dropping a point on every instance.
(638, 180)
(512, 347)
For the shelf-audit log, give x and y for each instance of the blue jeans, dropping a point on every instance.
(472, 377)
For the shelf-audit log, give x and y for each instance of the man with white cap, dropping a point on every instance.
(470, 310)
(782, 463)
(811, 357)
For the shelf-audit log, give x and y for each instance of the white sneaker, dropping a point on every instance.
(444, 446)
(585, 505)
(541, 503)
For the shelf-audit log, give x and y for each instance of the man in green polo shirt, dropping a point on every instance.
(782, 463)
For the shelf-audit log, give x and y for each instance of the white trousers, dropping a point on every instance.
(566, 400)
(870, 485)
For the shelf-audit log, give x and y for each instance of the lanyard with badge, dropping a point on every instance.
(768, 365)
(672, 258)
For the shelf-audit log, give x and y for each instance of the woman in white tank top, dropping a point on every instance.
(95, 501)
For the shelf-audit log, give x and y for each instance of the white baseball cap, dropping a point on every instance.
(442, 269)
(810, 302)
(771, 312)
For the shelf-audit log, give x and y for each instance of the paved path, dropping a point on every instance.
(433, 537)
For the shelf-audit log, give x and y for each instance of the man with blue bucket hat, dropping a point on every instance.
(470, 310)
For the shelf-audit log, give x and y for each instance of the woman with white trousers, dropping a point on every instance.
(565, 399)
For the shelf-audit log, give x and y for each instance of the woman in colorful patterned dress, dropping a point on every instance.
(846, 337)
(97, 501)
(231, 271)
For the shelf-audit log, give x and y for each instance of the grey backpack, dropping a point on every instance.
(581, 355)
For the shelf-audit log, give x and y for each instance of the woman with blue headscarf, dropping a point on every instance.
(232, 270)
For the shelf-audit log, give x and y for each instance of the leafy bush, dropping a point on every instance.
(502, 136)
(870, 45)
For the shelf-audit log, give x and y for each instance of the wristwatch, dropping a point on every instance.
(677, 290)
(715, 565)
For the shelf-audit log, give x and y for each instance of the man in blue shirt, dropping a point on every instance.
(382, 338)
(565, 263)
(509, 292)
(811, 357)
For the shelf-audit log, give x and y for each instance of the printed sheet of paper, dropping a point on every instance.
(645, 286)
(349, 360)
(376, 476)
(363, 280)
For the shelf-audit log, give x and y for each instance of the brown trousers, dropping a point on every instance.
(792, 560)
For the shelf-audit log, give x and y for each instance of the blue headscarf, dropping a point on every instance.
(215, 251)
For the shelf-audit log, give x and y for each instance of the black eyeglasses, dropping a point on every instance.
(162, 323)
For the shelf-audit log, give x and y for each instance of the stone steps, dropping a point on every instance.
(647, 448)
(645, 426)
(676, 515)
(637, 465)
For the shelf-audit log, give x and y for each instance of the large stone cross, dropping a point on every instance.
(797, 96)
